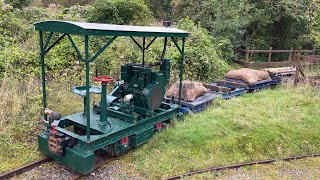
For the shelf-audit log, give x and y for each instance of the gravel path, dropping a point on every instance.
(48, 171)
(55, 171)
(299, 169)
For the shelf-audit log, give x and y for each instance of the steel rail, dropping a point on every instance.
(24, 168)
(32, 165)
(235, 166)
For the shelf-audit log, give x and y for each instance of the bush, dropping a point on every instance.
(119, 12)
(203, 61)
(12, 27)
(18, 3)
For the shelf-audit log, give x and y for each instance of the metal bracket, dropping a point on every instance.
(48, 40)
(103, 48)
(55, 43)
(176, 44)
(75, 47)
(151, 43)
(136, 43)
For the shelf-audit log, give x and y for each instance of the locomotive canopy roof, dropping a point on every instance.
(96, 29)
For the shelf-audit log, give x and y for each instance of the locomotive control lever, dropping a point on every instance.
(54, 115)
(103, 112)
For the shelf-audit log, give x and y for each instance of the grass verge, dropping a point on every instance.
(263, 125)
(20, 109)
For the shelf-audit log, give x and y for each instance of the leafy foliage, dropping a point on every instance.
(162, 9)
(315, 23)
(256, 24)
(18, 3)
(12, 29)
(203, 61)
(119, 12)
(66, 3)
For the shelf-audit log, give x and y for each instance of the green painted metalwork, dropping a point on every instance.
(143, 49)
(164, 48)
(134, 119)
(103, 112)
(136, 42)
(151, 43)
(181, 69)
(181, 64)
(75, 47)
(48, 40)
(55, 43)
(103, 48)
(43, 75)
(86, 47)
(78, 158)
(94, 29)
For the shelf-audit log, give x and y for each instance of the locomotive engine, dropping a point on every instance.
(147, 87)
(140, 91)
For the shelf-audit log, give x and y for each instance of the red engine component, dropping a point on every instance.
(125, 140)
(159, 126)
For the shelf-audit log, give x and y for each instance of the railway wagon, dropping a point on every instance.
(124, 118)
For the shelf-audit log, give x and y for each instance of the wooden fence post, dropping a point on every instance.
(270, 54)
(290, 54)
(247, 54)
(298, 68)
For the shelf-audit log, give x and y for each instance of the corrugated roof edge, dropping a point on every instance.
(83, 28)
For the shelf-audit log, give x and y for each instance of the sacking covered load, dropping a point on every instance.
(249, 76)
(190, 90)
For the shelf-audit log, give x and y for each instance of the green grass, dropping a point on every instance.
(272, 123)
(20, 109)
(267, 124)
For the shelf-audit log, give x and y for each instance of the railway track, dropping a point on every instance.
(24, 168)
(235, 166)
(32, 165)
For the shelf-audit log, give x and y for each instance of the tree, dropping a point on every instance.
(18, 3)
(119, 12)
(255, 23)
(161, 9)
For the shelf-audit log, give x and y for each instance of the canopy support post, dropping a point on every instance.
(164, 48)
(181, 63)
(43, 75)
(143, 49)
(181, 69)
(87, 105)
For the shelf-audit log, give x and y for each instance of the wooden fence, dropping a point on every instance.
(292, 55)
(301, 61)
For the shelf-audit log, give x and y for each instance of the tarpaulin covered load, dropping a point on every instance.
(249, 76)
(190, 90)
